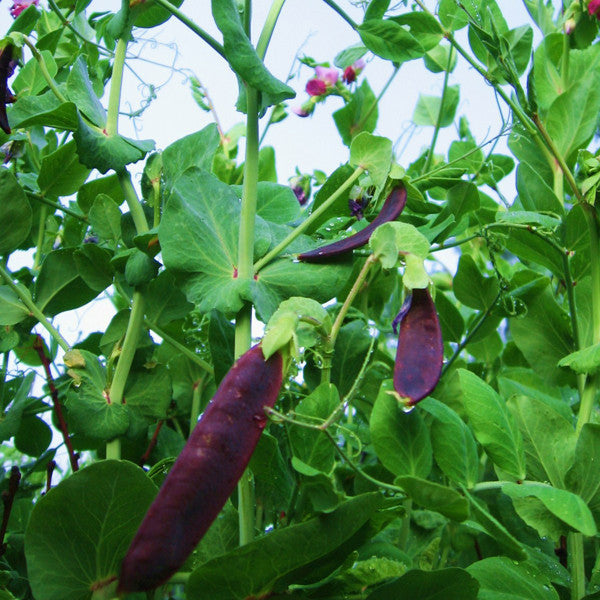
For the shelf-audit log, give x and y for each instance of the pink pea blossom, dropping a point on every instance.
(352, 71)
(594, 8)
(20, 5)
(326, 78)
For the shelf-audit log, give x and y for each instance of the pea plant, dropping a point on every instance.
(402, 427)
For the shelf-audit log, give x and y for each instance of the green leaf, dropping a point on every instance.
(390, 40)
(105, 219)
(164, 301)
(221, 339)
(242, 57)
(12, 310)
(93, 266)
(493, 424)
(280, 553)
(427, 111)
(566, 506)
(59, 287)
(449, 584)
(310, 446)
(149, 392)
(500, 578)
(61, 173)
(103, 152)
(81, 93)
(401, 440)
(351, 347)
(548, 438)
(372, 153)
(452, 16)
(194, 150)
(33, 437)
(451, 321)
(276, 203)
(394, 238)
(433, 496)
(148, 14)
(583, 478)
(535, 194)
(358, 115)
(30, 81)
(544, 346)
(10, 420)
(454, 447)
(83, 545)
(495, 529)
(586, 360)
(471, 287)
(45, 109)
(90, 190)
(15, 213)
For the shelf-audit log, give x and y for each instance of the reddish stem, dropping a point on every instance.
(38, 346)
(49, 471)
(8, 497)
(152, 444)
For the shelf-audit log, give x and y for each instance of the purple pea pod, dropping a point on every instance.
(7, 67)
(392, 207)
(420, 348)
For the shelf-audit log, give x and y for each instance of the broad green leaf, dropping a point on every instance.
(93, 266)
(427, 111)
(30, 81)
(81, 93)
(586, 360)
(531, 247)
(61, 173)
(471, 287)
(84, 545)
(148, 14)
(105, 219)
(194, 150)
(103, 152)
(454, 447)
(535, 194)
(372, 153)
(501, 578)
(45, 109)
(415, 275)
(423, 26)
(528, 217)
(548, 438)
(242, 57)
(401, 440)
(351, 347)
(10, 420)
(280, 553)
(276, 203)
(313, 447)
(149, 392)
(449, 584)
(59, 287)
(12, 309)
(433, 496)
(358, 115)
(493, 424)
(438, 59)
(390, 40)
(15, 213)
(33, 437)
(451, 321)
(495, 529)
(451, 15)
(221, 339)
(394, 238)
(164, 301)
(90, 190)
(566, 506)
(541, 345)
(583, 478)
(462, 199)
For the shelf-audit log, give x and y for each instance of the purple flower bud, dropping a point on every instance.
(352, 71)
(594, 8)
(316, 87)
(356, 208)
(20, 5)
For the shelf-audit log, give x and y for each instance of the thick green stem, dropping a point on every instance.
(243, 324)
(269, 256)
(339, 320)
(25, 298)
(135, 208)
(438, 122)
(116, 84)
(576, 565)
(191, 25)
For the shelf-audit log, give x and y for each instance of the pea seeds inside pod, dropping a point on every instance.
(390, 211)
(205, 473)
(420, 352)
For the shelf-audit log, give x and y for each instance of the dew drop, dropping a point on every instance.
(408, 408)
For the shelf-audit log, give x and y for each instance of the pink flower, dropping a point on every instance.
(594, 8)
(351, 72)
(326, 78)
(20, 5)
(305, 110)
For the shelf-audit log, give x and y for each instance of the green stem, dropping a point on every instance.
(56, 206)
(269, 26)
(40, 239)
(190, 354)
(218, 48)
(305, 224)
(405, 530)
(576, 564)
(438, 122)
(25, 298)
(455, 243)
(116, 84)
(243, 324)
(342, 14)
(247, 18)
(195, 404)
(377, 101)
(135, 208)
(43, 70)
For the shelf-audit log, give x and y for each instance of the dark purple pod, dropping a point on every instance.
(390, 210)
(205, 473)
(6, 70)
(420, 348)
